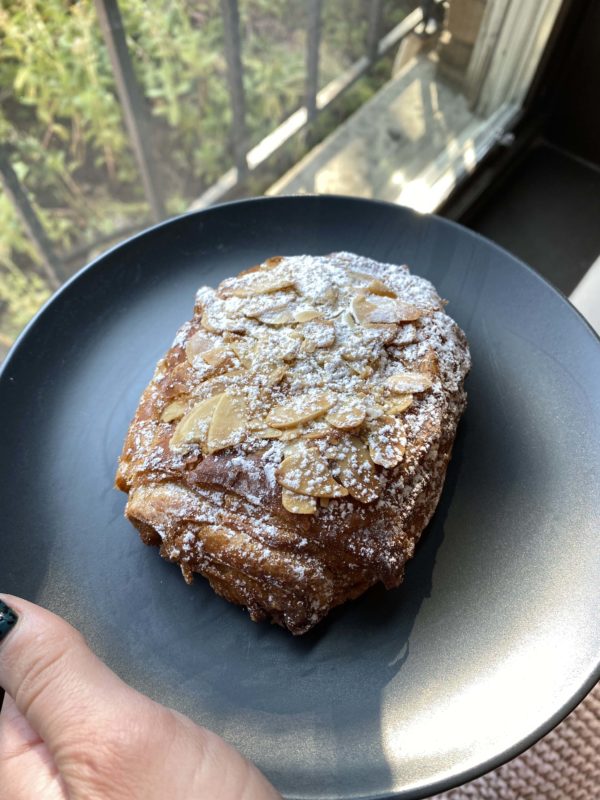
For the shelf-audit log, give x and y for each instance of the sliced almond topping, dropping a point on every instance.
(199, 343)
(216, 355)
(374, 410)
(290, 435)
(364, 371)
(272, 262)
(263, 304)
(406, 312)
(269, 433)
(349, 413)
(244, 354)
(276, 376)
(376, 309)
(429, 364)
(387, 441)
(174, 410)
(318, 431)
(298, 503)
(398, 404)
(360, 276)
(319, 333)
(379, 287)
(258, 283)
(406, 382)
(228, 425)
(330, 295)
(306, 314)
(277, 318)
(356, 471)
(348, 320)
(194, 426)
(300, 409)
(362, 309)
(217, 323)
(306, 472)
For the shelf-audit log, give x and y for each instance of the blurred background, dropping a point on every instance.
(115, 115)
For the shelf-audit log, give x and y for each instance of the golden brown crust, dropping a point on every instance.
(384, 383)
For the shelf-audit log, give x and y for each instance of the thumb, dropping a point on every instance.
(49, 671)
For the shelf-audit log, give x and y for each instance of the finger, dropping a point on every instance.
(53, 676)
(27, 770)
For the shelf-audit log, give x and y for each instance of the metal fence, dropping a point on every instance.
(247, 160)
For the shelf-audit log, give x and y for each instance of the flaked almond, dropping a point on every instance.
(306, 314)
(258, 283)
(378, 287)
(215, 322)
(193, 428)
(262, 430)
(360, 276)
(361, 369)
(356, 471)
(298, 503)
(199, 343)
(406, 312)
(387, 441)
(263, 304)
(271, 263)
(277, 318)
(330, 295)
(219, 383)
(299, 410)
(349, 413)
(243, 353)
(228, 424)
(307, 472)
(374, 409)
(362, 309)
(407, 382)
(398, 404)
(317, 333)
(290, 435)
(269, 433)
(376, 309)
(320, 430)
(429, 365)
(174, 410)
(216, 355)
(276, 376)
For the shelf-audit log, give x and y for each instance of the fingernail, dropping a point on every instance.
(8, 619)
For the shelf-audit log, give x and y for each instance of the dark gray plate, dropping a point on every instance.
(494, 636)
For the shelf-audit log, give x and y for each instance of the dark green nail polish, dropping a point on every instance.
(8, 619)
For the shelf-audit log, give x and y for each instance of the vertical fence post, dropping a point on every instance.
(132, 101)
(235, 77)
(30, 219)
(374, 31)
(313, 41)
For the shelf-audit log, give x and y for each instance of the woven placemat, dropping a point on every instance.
(564, 765)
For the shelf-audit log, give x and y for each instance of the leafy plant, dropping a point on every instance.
(61, 116)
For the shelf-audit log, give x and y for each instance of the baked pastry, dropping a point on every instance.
(292, 444)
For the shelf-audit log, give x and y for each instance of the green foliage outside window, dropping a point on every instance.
(61, 118)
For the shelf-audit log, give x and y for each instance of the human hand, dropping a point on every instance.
(70, 728)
